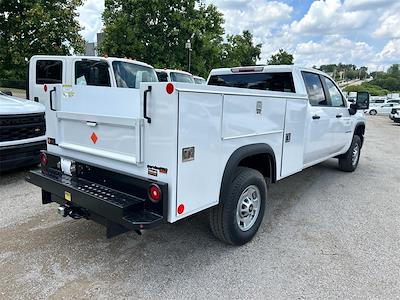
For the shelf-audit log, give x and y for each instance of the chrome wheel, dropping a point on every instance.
(355, 154)
(248, 207)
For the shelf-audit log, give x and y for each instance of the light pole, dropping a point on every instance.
(188, 46)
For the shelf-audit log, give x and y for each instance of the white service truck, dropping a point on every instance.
(134, 158)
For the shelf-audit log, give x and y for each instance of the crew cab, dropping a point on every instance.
(132, 159)
(44, 70)
(22, 132)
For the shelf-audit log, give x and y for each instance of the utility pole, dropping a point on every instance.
(188, 46)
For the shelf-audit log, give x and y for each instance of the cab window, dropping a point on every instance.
(334, 93)
(92, 72)
(162, 76)
(48, 71)
(279, 82)
(315, 89)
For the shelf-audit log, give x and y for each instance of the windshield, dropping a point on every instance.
(181, 77)
(129, 75)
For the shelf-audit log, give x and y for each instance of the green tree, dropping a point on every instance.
(32, 27)
(156, 32)
(240, 50)
(281, 58)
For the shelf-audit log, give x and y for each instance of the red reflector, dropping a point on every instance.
(170, 88)
(154, 193)
(43, 158)
(181, 209)
(94, 138)
(45, 87)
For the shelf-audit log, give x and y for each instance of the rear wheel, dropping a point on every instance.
(348, 162)
(373, 112)
(240, 212)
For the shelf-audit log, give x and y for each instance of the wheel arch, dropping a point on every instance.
(360, 131)
(250, 156)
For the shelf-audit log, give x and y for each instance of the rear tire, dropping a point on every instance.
(373, 112)
(348, 162)
(241, 209)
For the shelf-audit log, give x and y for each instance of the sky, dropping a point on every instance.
(361, 32)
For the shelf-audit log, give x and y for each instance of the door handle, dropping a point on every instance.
(145, 104)
(339, 116)
(51, 98)
(316, 117)
(91, 124)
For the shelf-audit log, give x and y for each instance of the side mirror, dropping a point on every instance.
(361, 103)
(362, 100)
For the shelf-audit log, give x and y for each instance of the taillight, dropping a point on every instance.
(154, 193)
(43, 158)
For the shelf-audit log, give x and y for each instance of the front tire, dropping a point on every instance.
(348, 162)
(239, 215)
(373, 112)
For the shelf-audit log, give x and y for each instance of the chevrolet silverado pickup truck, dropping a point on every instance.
(22, 132)
(134, 158)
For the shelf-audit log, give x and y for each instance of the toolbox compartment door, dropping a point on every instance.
(100, 121)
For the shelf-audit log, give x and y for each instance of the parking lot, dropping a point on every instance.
(326, 234)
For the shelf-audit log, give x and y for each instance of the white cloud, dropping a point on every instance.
(367, 4)
(389, 23)
(90, 18)
(258, 16)
(332, 49)
(330, 17)
(391, 52)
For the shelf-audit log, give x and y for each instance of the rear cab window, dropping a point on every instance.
(272, 81)
(181, 77)
(129, 75)
(92, 72)
(49, 71)
(162, 76)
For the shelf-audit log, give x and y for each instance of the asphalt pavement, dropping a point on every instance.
(326, 234)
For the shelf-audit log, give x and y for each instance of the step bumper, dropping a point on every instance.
(110, 207)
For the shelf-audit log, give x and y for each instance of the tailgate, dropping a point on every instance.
(100, 121)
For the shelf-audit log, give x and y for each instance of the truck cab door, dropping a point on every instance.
(340, 116)
(43, 72)
(319, 134)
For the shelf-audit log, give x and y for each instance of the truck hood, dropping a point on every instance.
(13, 105)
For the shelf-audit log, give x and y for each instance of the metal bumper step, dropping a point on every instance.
(117, 208)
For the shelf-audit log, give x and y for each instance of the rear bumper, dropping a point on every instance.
(16, 156)
(116, 209)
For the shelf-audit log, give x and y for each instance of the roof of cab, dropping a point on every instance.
(263, 68)
(172, 70)
(110, 59)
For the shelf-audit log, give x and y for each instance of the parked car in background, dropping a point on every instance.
(199, 80)
(396, 116)
(22, 132)
(377, 101)
(383, 110)
(393, 112)
(167, 75)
